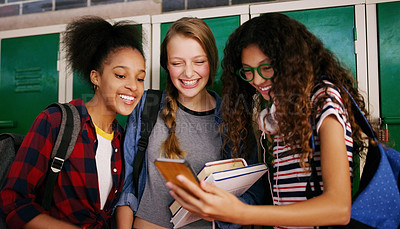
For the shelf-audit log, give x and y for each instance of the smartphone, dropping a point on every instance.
(170, 168)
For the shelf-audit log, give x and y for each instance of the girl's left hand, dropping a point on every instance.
(209, 202)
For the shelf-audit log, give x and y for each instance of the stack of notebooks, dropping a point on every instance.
(232, 175)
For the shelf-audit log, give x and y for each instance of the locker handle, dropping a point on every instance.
(392, 120)
(8, 124)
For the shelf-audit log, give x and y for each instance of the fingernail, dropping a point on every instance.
(169, 185)
(179, 177)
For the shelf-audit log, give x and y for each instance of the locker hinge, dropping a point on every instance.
(58, 61)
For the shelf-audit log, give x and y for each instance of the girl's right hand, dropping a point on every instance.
(209, 202)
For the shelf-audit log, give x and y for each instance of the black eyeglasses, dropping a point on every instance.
(266, 71)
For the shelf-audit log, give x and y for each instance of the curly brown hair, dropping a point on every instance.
(299, 59)
(197, 29)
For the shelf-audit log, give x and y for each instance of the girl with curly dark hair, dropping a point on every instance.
(280, 74)
(110, 57)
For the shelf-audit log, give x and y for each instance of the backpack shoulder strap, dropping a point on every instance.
(148, 119)
(69, 131)
(360, 118)
(63, 147)
(373, 158)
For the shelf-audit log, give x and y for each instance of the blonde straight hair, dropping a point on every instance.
(197, 29)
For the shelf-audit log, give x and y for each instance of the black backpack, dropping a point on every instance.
(148, 119)
(9, 145)
(62, 149)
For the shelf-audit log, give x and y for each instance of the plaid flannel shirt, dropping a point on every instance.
(76, 195)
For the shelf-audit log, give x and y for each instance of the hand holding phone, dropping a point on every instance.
(170, 168)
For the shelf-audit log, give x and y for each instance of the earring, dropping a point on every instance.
(94, 87)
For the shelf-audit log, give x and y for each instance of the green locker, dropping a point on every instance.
(222, 27)
(335, 28)
(389, 68)
(28, 79)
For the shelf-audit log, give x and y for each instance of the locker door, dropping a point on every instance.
(335, 28)
(222, 27)
(28, 79)
(389, 68)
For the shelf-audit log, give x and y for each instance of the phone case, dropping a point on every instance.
(170, 168)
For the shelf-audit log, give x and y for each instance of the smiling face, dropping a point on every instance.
(253, 57)
(188, 66)
(121, 84)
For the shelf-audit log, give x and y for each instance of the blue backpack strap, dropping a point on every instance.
(63, 147)
(373, 156)
(148, 119)
(360, 118)
(310, 193)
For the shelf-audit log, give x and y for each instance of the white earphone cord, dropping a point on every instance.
(269, 178)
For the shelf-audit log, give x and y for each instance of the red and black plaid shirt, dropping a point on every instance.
(76, 194)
